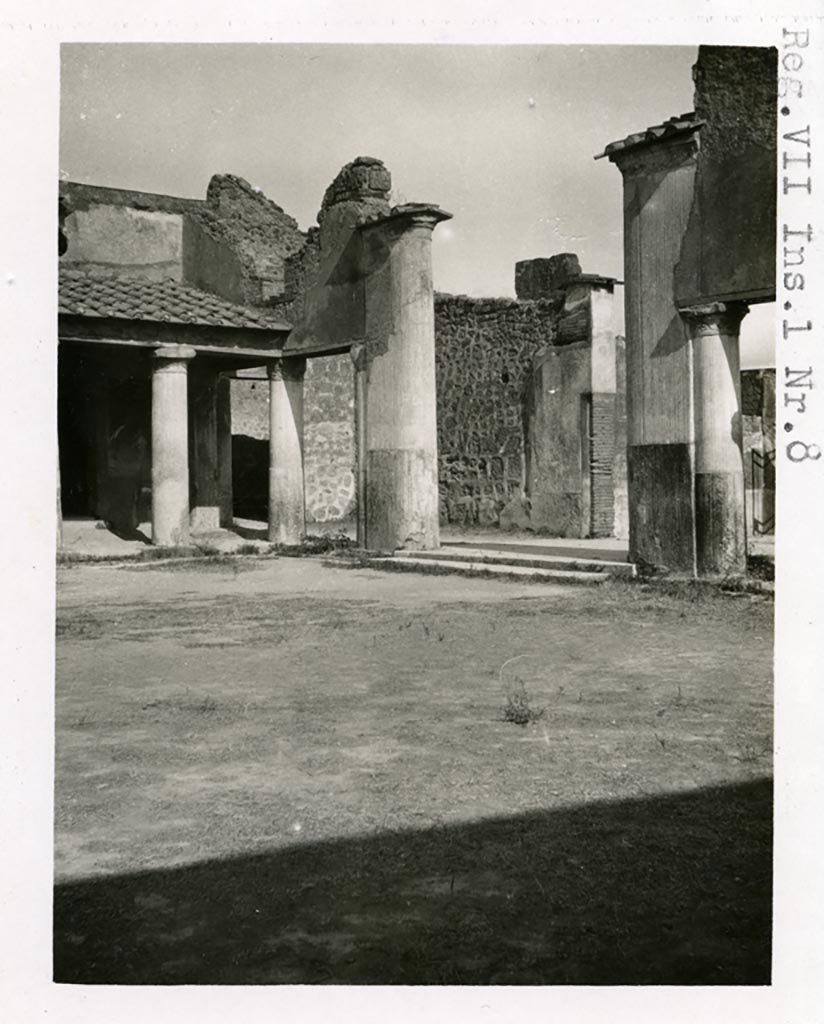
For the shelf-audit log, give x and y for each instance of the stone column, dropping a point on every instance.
(401, 429)
(205, 492)
(358, 354)
(170, 446)
(224, 450)
(659, 189)
(720, 535)
(287, 508)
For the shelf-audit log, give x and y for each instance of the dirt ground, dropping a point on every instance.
(273, 771)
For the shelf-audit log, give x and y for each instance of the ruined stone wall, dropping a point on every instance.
(234, 243)
(483, 352)
(728, 250)
(602, 458)
(329, 440)
(255, 230)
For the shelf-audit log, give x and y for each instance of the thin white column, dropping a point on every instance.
(287, 502)
(170, 446)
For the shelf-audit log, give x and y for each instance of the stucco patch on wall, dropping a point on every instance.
(108, 239)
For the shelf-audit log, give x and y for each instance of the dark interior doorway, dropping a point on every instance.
(75, 434)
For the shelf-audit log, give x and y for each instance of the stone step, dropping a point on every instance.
(414, 563)
(488, 556)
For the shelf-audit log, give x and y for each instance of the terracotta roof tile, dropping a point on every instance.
(672, 126)
(170, 301)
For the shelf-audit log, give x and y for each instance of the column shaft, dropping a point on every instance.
(719, 472)
(170, 446)
(287, 503)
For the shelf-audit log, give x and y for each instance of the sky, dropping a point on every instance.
(501, 136)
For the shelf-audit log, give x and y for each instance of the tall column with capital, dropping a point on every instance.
(170, 446)
(720, 535)
(287, 503)
(659, 189)
(400, 405)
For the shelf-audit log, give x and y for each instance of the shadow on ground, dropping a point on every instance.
(667, 890)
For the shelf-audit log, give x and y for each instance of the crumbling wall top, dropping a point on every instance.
(545, 277)
(365, 179)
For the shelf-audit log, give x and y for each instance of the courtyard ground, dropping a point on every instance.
(273, 771)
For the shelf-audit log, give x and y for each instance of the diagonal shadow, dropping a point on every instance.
(672, 889)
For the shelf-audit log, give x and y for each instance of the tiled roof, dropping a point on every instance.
(168, 301)
(673, 126)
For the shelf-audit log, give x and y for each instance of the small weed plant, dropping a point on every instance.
(518, 708)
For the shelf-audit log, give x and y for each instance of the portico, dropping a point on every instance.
(146, 402)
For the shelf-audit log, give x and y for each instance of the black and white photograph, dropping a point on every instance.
(426, 518)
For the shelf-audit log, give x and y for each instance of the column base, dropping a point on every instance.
(283, 532)
(661, 502)
(205, 518)
(402, 500)
(719, 524)
(170, 533)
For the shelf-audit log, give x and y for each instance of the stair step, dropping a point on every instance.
(487, 556)
(414, 563)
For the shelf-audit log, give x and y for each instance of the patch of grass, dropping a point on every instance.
(249, 549)
(315, 545)
(157, 553)
(198, 563)
(75, 558)
(186, 705)
(689, 591)
(760, 567)
(189, 551)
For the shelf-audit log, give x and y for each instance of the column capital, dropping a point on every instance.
(357, 354)
(290, 369)
(646, 158)
(174, 353)
(424, 215)
(715, 318)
